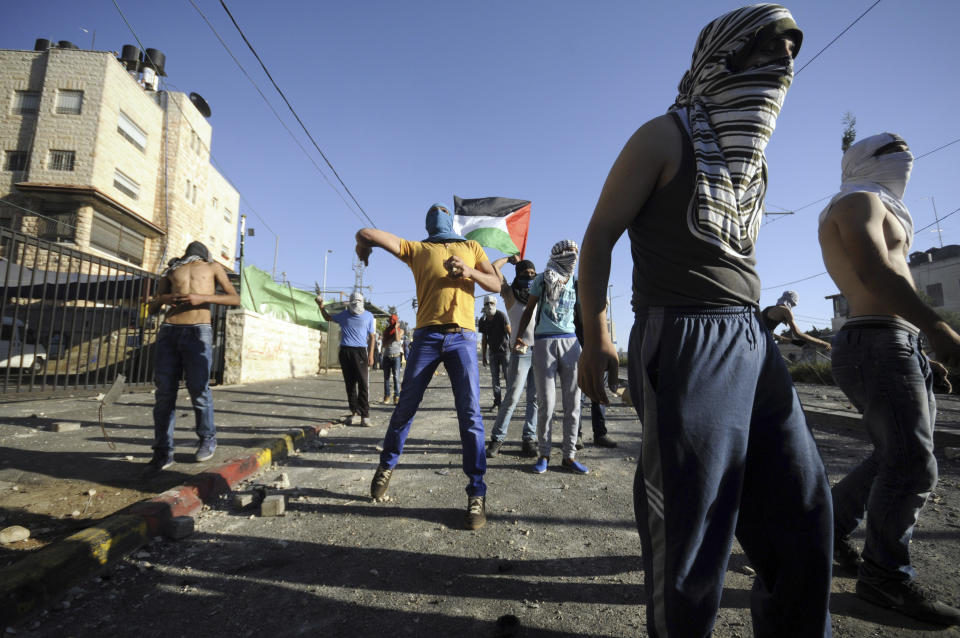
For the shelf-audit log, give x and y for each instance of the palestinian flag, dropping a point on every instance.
(493, 222)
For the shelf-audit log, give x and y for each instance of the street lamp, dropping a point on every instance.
(323, 291)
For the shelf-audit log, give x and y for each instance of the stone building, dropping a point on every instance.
(96, 157)
(936, 274)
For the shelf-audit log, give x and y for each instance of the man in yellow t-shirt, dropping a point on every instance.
(445, 267)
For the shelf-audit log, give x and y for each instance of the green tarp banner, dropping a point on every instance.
(259, 293)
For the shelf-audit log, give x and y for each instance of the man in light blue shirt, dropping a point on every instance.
(556, 352)
(358, 334)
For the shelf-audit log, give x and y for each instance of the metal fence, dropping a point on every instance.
(70, 321)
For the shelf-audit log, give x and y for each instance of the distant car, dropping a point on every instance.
(16, 351)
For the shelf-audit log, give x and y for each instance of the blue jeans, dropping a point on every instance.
(187, 350)
(887, 377)
(499, 364)
(519, 375)
(391, 366)
(726, 451)
(458, 352)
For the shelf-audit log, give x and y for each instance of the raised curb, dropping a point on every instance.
(31, 583)
(845, 420)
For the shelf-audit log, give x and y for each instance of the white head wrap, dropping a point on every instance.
(789, 298)
(489, 305)
(356, 303)
(885, 176)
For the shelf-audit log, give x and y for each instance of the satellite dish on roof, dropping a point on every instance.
(201, 104)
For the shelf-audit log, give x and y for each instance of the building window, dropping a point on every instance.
(57, 224)
(69, 102)
(187, 192)
(935, 292)
(114, 239)
(15, 161)
(227, 215)
(194, 193)
(26, 102)
(213, 203)
(125, 185)
(224, 251)
(131, 132)
(61, 160)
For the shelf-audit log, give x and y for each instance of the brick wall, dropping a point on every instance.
(261, 348)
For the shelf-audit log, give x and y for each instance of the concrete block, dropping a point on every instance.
(177, 527)
(243, 499)
(273, 505)
(65, 426)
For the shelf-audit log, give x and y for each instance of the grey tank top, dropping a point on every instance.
(671, 267)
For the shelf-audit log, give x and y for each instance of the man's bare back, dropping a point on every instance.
(856, 226)
(190, 289)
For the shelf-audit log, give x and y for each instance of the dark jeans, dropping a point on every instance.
(186, 350)
(499, 364)
(353, 364)
(458, 352)
(726, 451)
(887, 377)
(391, 367)
(598, 415)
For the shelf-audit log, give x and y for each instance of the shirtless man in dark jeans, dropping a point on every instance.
(185, 345)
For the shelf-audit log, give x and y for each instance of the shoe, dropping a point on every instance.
(159, 462)
(493, 448)
(206, 449)
(909, 599)
(348, 420)
(529, 448)
(575, 466)
(476, 513)
(845, 554)
(381, 479)
(366, 422)
(604, 441)
(396, 400)
(579, 442)
(387, 399)
(541, 465)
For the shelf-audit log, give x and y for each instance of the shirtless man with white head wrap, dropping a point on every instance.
(726, 450)
(865, 235)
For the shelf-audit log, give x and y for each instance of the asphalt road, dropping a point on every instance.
(558, 557)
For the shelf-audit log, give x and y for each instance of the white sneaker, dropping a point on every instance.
(365, 422)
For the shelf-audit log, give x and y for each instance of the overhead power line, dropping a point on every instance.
(274, 111)
(849, 26)
(293, 111)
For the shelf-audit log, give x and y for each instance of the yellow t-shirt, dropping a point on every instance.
(441, 298)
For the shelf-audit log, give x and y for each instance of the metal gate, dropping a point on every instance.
(71, 322)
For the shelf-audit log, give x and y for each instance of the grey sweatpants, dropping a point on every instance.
(554, 357)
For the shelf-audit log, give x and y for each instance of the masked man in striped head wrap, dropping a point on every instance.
(865, 235)
(726, 450)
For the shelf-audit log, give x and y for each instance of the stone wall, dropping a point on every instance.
(261, 348)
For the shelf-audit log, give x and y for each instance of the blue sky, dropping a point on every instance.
(415, 102)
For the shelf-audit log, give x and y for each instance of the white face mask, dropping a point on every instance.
(356, 304)
(489, 309)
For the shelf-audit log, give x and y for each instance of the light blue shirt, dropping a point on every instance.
(555, 318)
(355, 329)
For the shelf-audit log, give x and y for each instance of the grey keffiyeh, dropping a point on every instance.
(196, 251)
(731, 114)
(560, 267)
(885, 175)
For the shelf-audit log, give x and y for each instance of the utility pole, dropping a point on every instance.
(243, 233)
(276, 249)
(937, 220)
(323, 291)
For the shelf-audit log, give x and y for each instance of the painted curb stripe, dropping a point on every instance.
(30, 583)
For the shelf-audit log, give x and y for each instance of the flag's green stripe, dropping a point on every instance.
(494, 238)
